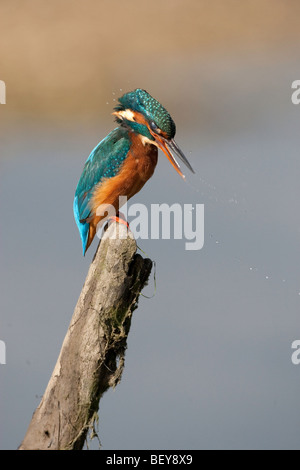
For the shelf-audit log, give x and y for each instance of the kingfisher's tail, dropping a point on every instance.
(83, 227)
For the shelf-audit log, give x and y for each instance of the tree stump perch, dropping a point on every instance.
(93, 352)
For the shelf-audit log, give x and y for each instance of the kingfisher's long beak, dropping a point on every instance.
(170, 149)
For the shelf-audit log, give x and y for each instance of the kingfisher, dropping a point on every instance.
(124, 160)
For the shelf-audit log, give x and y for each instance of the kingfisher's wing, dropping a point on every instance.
(104, 162)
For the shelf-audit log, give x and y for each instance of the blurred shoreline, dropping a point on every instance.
(67, 59)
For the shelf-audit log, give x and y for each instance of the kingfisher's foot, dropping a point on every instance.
(119, 218)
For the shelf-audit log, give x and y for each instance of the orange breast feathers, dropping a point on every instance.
(135, 171)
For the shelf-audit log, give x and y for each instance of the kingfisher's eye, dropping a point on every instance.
(154, 127)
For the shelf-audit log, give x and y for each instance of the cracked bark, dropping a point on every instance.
(93, 352)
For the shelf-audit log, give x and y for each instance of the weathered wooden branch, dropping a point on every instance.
(92, 356)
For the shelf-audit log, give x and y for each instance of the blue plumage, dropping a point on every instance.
(104, 162)
(139, 100)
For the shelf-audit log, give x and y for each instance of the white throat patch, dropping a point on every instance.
(145, 140)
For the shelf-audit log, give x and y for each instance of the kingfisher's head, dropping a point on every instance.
(145, 116)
